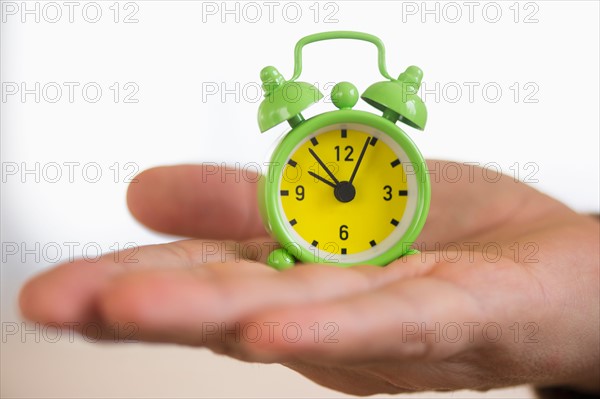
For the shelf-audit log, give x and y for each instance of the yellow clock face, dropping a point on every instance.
(346, 194)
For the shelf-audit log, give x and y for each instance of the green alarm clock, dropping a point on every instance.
(345, 187)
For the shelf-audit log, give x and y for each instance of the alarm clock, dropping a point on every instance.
(345, 187)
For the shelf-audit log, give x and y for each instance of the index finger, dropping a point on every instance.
(203, 201)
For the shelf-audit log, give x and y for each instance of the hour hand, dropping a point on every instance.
(314, 154)
(316, 176)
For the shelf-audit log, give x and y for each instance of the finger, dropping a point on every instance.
(467, 200)
(203, 201)
(68, 292)
(344, 379)
(400, 321)
(393, 377)
(201, 306)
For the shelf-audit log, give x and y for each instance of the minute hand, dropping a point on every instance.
(314, 154)
(360, 158)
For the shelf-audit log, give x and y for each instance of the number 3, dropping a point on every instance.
(388, 193)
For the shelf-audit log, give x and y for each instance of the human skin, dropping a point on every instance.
(543, 297)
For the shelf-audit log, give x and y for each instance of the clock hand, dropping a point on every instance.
(360, 158)
(323, 166)
(324, 180)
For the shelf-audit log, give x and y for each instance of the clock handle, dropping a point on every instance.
(317, 37)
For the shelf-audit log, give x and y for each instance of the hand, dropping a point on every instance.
(315, 156)
(324, 180)
(539, 300)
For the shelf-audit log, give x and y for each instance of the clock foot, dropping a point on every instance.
(280, 259)
(411, 251)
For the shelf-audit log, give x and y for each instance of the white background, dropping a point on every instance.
(196, 70)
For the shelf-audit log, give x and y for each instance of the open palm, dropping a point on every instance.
(504, 292)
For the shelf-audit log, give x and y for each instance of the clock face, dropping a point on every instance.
(348, 193)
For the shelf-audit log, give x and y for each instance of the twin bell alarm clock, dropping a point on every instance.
(345, 187)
